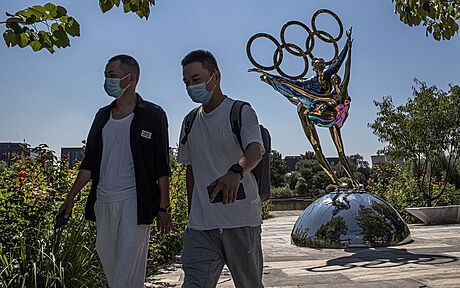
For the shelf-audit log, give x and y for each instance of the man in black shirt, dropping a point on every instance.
(127, 159)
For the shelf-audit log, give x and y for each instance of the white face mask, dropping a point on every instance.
(112, 87)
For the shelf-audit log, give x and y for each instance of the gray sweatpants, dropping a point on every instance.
(205, 253)
(121, 244)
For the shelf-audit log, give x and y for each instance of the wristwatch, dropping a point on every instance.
(238, 169)
(165, 210)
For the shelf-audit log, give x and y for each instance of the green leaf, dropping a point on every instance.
(23, 40)
(38, 8)
(33, 35)
(54, 27)
(50, 49)
(46, 39)
(36, 45)
(50, 7)
(26, 13)
(64, 19)
(61, 40)
(61, 11)
(105, 5)
(126, 7)
(72, 27)
(10, 38)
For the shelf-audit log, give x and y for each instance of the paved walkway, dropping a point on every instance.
(432, 260)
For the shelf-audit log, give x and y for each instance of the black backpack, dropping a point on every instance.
(262, 171)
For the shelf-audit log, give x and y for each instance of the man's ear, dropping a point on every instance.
(217, 76)
(134, 78)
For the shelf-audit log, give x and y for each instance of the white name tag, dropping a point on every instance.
(146, 134)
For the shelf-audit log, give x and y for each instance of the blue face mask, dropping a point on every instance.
(112, 87)
(199, 94)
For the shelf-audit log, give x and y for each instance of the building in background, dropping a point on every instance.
(333, 160)
(381, 159)
(291, 161)
(8, 150)
(72, 155)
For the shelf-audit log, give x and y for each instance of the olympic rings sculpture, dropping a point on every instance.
(294, 49)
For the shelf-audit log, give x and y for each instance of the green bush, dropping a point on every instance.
(31, 191)
(395, 184)
(291, 179)
(347, 181)
(266, 207)
(301, 187)
(331, 188)
(163, 250)
(281, 192)
(32, 254)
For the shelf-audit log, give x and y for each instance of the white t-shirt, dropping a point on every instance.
(212, 149)
(117, 179)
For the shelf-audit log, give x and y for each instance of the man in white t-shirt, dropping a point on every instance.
(224, 205)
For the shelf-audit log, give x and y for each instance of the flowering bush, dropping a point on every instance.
(33, 254)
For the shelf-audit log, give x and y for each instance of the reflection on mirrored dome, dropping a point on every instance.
(349, 218)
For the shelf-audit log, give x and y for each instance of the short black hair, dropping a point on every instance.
(128, 63)
(204, 57)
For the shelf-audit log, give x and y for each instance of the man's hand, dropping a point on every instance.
(67, 206)
(228, 184)
(164, 223)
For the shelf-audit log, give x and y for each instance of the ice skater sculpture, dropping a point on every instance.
(345, 217)
(321, 100)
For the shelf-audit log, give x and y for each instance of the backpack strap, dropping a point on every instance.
(189, 119)
(235, 119)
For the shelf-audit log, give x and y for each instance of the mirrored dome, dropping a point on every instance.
(349, 218)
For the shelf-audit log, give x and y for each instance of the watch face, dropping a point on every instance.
(237, 168)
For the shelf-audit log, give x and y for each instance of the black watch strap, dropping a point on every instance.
(165, 210)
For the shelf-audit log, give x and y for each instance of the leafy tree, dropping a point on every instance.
(422, 131)
(396, 185)
(291, 179)
(278, 169)
(3, 166)
(301, 187)
(319, 183)
(440, 17)
(359, 166)
(49, 26)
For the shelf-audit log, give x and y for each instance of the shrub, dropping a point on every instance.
(163, 250)
(301, 187)
(331, 188)
(32, 254)
(266, 207)
(291, 179)
(281, 192)
(395, 185)
(63, 258)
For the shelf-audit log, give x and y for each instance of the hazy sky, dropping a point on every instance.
(53, 98)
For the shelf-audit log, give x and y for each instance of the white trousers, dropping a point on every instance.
(121, 244)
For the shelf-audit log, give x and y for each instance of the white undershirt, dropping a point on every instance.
(117, 178)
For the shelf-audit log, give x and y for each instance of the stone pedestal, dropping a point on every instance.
(437, 215)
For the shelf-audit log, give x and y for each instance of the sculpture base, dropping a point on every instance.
(349, 218)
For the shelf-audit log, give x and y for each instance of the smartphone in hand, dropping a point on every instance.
(220, 195)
